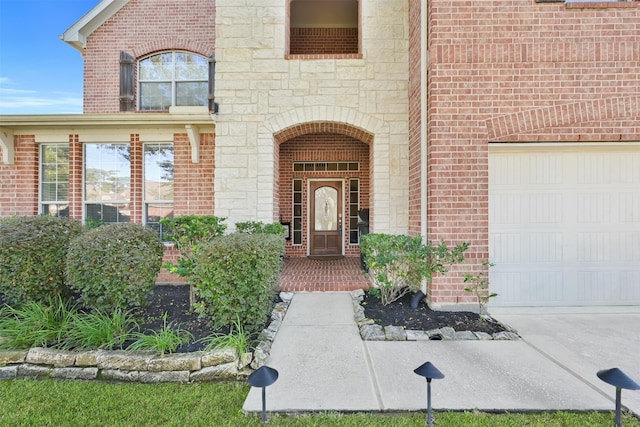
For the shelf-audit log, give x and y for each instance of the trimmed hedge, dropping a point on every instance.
(253, 227)
(236, 278)
(33, 250)
(114, 265)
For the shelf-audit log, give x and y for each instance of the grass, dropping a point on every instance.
(237, 339)
(35, 324)
(100, 330)
(166, 340)
(76, 403)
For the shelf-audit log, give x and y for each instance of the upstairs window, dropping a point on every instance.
(324, 27)
(173, 78)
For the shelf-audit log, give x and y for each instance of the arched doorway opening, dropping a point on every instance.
(324, 183)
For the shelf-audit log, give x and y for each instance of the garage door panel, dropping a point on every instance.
(564, 225)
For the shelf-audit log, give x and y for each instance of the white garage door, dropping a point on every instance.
(564, 224)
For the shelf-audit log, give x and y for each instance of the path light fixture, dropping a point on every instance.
(430, 372)
(619, 380)
(263, 377)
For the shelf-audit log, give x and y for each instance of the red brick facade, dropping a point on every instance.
(306, 41)
(497, 71)
(141, 28)
(19, 181)
(516, 70)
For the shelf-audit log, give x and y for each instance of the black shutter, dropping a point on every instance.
(212, 84)
(127, 69)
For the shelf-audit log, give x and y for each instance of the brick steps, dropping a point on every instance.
(318, 275)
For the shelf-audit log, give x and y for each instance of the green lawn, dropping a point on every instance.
(75, 403)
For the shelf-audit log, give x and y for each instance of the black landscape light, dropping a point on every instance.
(430, 372)
(263, 377)
(619, 380)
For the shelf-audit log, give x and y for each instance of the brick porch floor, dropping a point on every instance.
(322, 275)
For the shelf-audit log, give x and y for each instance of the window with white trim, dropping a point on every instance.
(107, 183)
(173, 78)
(158, 184)
(54, 179)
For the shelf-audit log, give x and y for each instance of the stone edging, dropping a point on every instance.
(140, 366)
(370, 331)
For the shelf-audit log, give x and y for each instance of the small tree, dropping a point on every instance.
(398, 264)
(480, 288)
(186, 232)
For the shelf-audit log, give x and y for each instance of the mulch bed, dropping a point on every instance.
(423, 318)
(174, 300)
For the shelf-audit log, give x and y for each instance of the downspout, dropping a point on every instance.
(424, 63)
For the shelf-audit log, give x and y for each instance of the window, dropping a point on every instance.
(54, 179)
(107, 177)
(173, 78)
(318, 27)
(297, 211)
(354, 207)
(158, 185)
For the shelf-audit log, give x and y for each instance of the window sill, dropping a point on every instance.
(324, 56)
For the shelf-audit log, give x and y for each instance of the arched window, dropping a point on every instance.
(172, 78)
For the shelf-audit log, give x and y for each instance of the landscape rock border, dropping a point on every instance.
(370, 331)
(142, 366)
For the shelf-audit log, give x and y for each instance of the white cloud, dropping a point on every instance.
(28, 101)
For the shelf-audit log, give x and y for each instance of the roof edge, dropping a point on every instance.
(77, 34)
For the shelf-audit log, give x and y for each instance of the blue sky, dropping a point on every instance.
(39, 73)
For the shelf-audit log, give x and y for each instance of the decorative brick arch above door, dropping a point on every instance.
(369, 129)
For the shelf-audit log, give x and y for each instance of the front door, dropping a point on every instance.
(326, 218)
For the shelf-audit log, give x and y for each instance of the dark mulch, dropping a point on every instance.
(423, 318)
(174, 300)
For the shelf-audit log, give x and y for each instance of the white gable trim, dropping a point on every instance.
(78, 33)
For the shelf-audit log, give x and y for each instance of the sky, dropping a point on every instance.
(39, 73)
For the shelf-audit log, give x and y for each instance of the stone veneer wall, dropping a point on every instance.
(262, 91)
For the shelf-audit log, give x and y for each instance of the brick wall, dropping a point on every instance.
(193, 186)
(322, 147)
(141, 28)
(308, 41)
(19, 181)
(516, 70)
(415, 125)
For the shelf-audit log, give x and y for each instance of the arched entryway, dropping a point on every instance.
(323, 184)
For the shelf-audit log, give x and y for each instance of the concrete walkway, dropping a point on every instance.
(324, 365)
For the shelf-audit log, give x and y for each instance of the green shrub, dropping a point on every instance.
(114, 265)
(187, 231)
(36, 324)
(33, 250)
(236, 277)
(253, 227)
(398, 264)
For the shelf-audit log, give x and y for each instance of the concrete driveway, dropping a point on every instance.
(583, 341)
